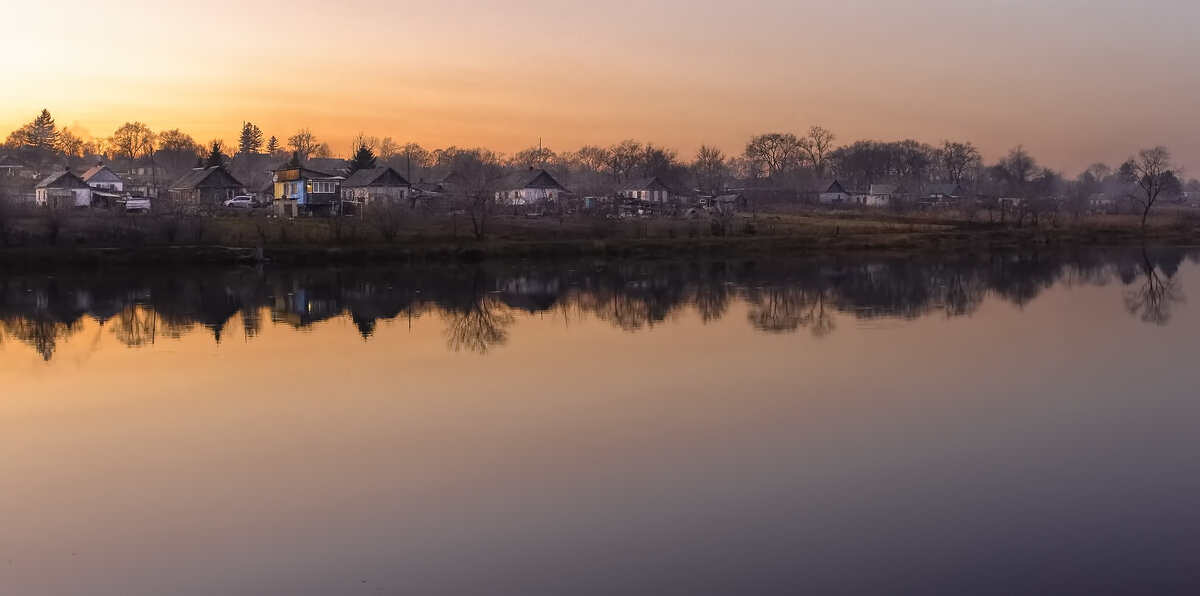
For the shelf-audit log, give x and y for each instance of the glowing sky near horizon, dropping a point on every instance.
(1074, 81)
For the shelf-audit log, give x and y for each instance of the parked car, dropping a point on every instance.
(242, 202)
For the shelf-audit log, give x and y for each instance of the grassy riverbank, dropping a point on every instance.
(133, 241)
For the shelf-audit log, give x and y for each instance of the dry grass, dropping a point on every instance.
(786, 230)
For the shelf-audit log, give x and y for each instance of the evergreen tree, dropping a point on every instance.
(43, 134)
(273, 145)
(364, 159)
(294, 162)
(216, 157)
(251, 140)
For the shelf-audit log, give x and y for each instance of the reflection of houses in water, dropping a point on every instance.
(528, 293)
(303, 306)
(476, 303)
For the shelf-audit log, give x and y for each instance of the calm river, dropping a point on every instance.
(1007, 424)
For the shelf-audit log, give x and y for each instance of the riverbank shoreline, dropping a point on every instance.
(708, 247)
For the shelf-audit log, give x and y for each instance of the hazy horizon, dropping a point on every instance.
(1073, 82)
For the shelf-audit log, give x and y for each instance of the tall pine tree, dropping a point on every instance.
(251, 140)
(41, 133)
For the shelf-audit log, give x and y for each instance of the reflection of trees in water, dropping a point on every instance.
(1153, 294)
(136, 326)
(480, 328)
(477, 303)
(42, 334)
(784, 310)
(477, 321)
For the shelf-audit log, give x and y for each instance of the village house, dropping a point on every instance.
(63, 189)
(883, 195)
(375, 184)
(302, 191)
(101, 177)
(651, 189)
(831, 192)
(529, 187)
(106, 185)
(205, 187)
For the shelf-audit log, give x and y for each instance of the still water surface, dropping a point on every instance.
(969, 425)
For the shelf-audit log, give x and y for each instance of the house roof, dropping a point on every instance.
(97, 170)
(306, 173)
(8, 161)
(328, 164)
(207, 177)
(530, 179)
(652, 183)
(62, 179)
(887, 189)
(829, 185)
(375, 177)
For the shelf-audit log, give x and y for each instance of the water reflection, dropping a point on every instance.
(477, 303)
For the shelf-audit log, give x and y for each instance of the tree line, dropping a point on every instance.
(775, 161)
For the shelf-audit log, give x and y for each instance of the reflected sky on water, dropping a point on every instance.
(978, 424)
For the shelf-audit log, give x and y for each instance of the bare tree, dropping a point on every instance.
(387, 217)
(303, 143)
(532, 157)
(388, 150)
(710, 169)
(624, 158)
(954, 160)
(775, 152)
(816, 148)
(362, 140)
(1153, 172)
(132, 141)
(54, 215)
(478, 175)
(593, 163)
(69, 143)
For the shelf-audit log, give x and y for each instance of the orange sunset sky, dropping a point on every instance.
(1074, 81)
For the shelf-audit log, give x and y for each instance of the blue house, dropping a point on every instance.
(301, 191)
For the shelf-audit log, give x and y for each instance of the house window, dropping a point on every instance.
(319, 187)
